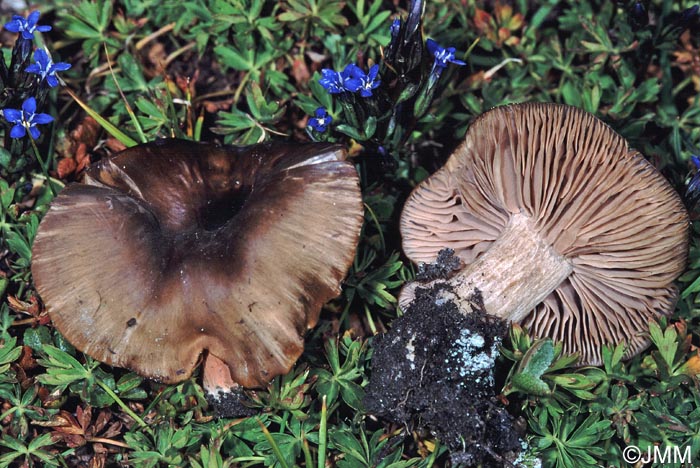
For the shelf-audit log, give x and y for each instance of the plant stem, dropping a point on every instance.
(322, 434)
(382, 243)
(370, 321)
(121, 403)
(44, 166)
(129, 110)
(308, 461)
(273, 444)
(433, 456)
(103, 440)
(239, 89)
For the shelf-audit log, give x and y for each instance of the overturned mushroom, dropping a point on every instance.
(559, 224)
(173, 248)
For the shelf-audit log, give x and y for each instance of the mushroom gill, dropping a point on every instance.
(559, 224)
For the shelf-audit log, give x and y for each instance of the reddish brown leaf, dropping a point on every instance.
(87, 131)
(113, 430)
(66, 167)
(81, 154)
(482, 21)
(84, 417)
(63, 422)
(18, 305)
(215, 106)
(100, 423)
(300, 71)
(98, 460)
(157, 57)
(115, 145)
(26, 359)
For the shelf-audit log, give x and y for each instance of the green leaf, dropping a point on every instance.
(62, 369)
(129, 382)
(9, 352)
(538, 358)
(612, 357)
(18, 244)
(530, 384)
(535, 362)
(5, 158)
(665, 341)
(352, 394)
(234, 59)
(370, 127)
(7, 195)
(37, 338)
(104, 123)
(342, 379)
(350, 131)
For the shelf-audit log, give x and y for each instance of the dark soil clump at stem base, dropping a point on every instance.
(434, 370)
(446, 264)
(232, 404)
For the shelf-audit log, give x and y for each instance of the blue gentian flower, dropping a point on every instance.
(321, 121)
(26, 26)
(338, 82)
(639, 10)
(333, 81)
(689, 13)
(351, 79)
(442, 55)
(45, 68)
(395, 27)
(692, 191)
(638, 15)
(638, 7)
(353, 76)
(26, 119)
(358, 81)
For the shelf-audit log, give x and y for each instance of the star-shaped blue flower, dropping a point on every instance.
(26, 26)
(442, 55)
(333, 81)
(352, 78)
(352, 74)
(26, 119)
(321, 121)
(358, 81)
(45, 68)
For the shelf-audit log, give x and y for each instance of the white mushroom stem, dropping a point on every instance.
(517, 272)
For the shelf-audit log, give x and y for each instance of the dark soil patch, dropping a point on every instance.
(434, 370)
(232, 404)
(445, 266)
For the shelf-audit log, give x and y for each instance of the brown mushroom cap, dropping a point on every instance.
(612, 228)
(175, 247)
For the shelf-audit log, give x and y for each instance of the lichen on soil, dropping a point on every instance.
(434, 371)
